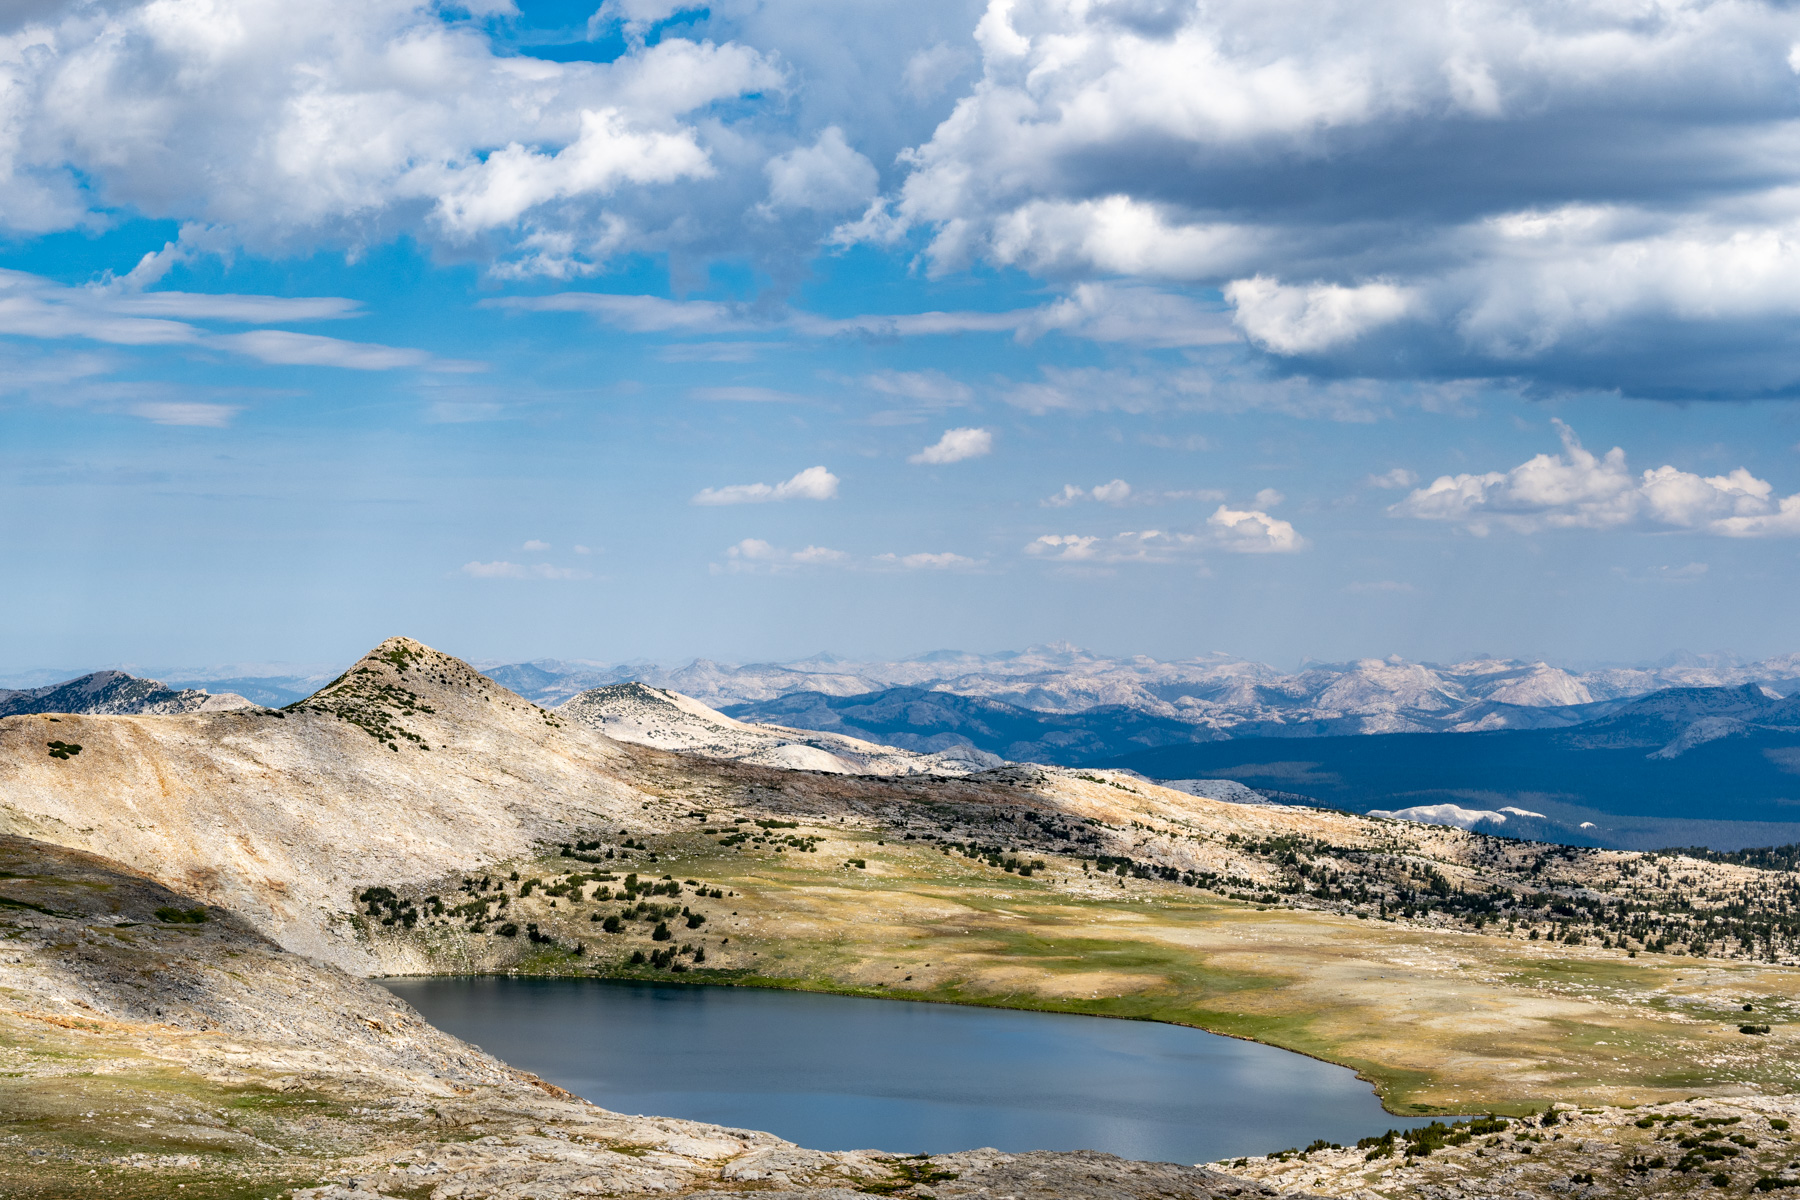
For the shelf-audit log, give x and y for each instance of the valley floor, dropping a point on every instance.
(1439, 1020)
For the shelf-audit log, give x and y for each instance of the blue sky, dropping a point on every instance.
(775, 327)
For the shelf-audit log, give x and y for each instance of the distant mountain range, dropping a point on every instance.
(1211, 696)
(114, 693)
(1691, 751)
(1193, 699)
(1682, 766)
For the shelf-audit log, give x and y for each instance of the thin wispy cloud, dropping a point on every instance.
(511, 570)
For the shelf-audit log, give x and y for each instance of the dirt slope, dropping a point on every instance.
(410, 765)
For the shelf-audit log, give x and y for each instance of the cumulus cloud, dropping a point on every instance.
(1116, 492)
(336, 121)
(827, 176)
(955, 446)
(1251, 531)
(1306, 320)
(814, 483)
(756, 555)
(1578, 489)
(512, 570)
(1569, 212)
(1234, 531)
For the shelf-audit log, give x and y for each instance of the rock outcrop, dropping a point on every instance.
(648, 716)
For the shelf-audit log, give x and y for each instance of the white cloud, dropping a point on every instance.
(1306, 320)
(535, 544)
(827, 176)
(931, 70)
(955, 446)
(756, 555)
(1102, 312)
(925, 389)
(927, 562)
(34, 307)
(1117, 492)
(814, 483)
(284, 348)
(1253, 532)
(512, 570)
(1254, 146)
(1268, 498)
(1578, 489)
(210, 416)
(579, 549)
(1399, 477)
(1145, 546)
(343, 121)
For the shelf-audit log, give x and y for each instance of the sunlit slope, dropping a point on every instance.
(410, 764)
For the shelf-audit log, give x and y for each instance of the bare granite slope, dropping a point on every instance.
(649, 716)
(409, 765)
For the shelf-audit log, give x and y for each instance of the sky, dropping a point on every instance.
(1292, 330)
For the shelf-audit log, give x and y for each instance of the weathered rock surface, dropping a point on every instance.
(648, 716)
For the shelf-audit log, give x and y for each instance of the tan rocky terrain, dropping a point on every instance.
(1703, 1148)
(648, 716)
(413, 816)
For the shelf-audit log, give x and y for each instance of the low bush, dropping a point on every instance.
(181, 916)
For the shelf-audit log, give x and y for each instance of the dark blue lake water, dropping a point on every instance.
(840, 1073)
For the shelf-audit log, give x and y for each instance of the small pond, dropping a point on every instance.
(840, 1072)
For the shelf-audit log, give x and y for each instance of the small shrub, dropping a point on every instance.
(508, 930)
(63, 750)
(1754, 1029)
(661, 932)
(612, 924)
(181, 916)
(637, 958)
(1777, 1124)
(696, 920)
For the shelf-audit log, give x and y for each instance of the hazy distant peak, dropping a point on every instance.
(115, 693)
